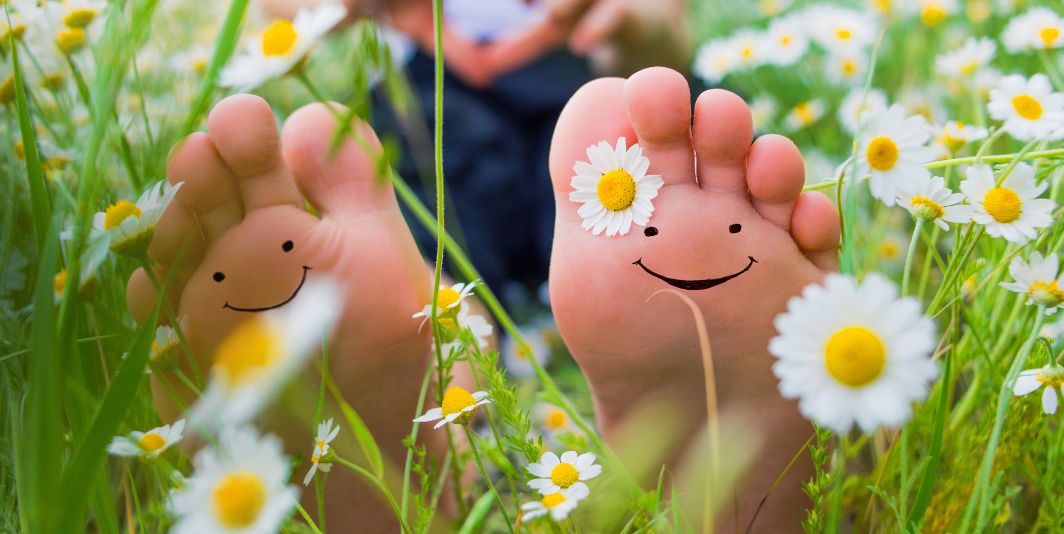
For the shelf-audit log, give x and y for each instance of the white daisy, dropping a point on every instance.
(1051, 377)
(1038, 280)
(166, 348)
(715, 60)
(785, 41)
(477, 325)
(749, 48)
(1029, 107)
(955, 134)
(1040, 28)
(614, 190)
(554, 474)
(931, 12)
(281, 47)
(459, 406)
(846, 67)
(859, 105)
(931, 200)
(771, 8)
(893, 151)
(836, 28)
(517, 359)
(964, 62)
(127, 227)
(449, 299)
(239, 487)
(558, 504)
(258, 358)
(985, 80)
(553, 420)
(327, 432)
(854, 353)
(148, 444)
(1011, 210)
(804, 114)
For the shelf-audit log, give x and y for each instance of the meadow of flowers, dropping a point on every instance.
(932, 365)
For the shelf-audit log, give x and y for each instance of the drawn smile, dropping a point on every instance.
(275, 306)
(694, 285)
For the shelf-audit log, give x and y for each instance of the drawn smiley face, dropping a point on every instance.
(694, 285)
(286, 247)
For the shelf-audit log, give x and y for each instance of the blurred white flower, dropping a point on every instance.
(893, 150)
(1039, 28)
(554, 474)
(931, 12)
(762, 111)
(553, 420)
(715, 60)
(128, 227)
(1050, 377)
(846, 67)
(804, 114)
(929, 199)
(955, 134)
(964, 62)
(838, 29)
(1011, 210)
(750, 47)
(1028, 106)
(1038, 280)
(785, 41)
(558, 504)
(613, 188)
(148, 444)
(854, 353)
(517, 358)
(281, 47)
(458, 407)
(327, 431)
(859, 105)
(166, 348)
(239, 487)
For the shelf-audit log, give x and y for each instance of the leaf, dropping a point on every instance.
(477, 514)
(361, 431)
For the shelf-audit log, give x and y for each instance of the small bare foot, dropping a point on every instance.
(251, 245)
(730, 228)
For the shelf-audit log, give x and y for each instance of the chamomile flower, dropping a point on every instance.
(239, 487)
(327, 431)
(166, 348)
(449, 299)
(893, 151)
(459, 406)
(554, 474)
(558, 504)
(1011, 210)
(846, 67)
(465, 323)
(281, 47)
(78, 13)
(539, 337)
(715, 60)
(964, 62)
(1040, 28)
(1038, 280)
(1028, 106)
(614, 190)
(785, 41)
(931, 12)
(148, 444)
(771, 8)
(128, 227)
(258, 358)
(749, 48)
(804, 114)
(1050, 377)
(837, 29)
(931, 200)
(854, 353)
(553, 420)
(955, 134)
(859, 105)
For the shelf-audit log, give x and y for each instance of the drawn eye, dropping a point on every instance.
(219, 276)
(735, 228)
(650, 231)
(288, 246)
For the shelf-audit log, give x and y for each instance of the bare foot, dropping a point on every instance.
(252, 244)
(731, 229)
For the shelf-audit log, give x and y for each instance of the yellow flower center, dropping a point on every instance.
(932, 14)
(849, 67)
(152, 442)
(844, 34)
(564, 475)
(7, 90)
(1053, 380)
(448, 297)
(925, 208)
(882, 153)
(457, 399)
(552, 500)
(1047, 294)
(250, 348)
(785, 40)
(79, 18)
(279, 38)
(952, 142)
(883, 6)
(1049, 35)
(118, 212)
(1027, 107)
(855, 356)
(805, 113)
(70, 40)
(556, 419)
(616, 190)
(18, 30)
(969, 67)
(748, 52)
(1003, 204)
(237, 499)
(60, 281)
(889, 249)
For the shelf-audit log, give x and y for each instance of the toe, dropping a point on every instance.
(596, 112)
(141, 296)
(815, 228)
(659, 107)
(345, 182)
(723, 131)
(775, 174)
(246, 134)
(209, 189)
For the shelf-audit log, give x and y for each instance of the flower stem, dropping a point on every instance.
(380, 486)
(484, 473)
(910, 255)
(306, 517)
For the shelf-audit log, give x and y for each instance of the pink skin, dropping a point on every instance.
(633, 351)
(242, 200)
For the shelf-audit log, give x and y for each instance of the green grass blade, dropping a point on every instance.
(361, 431)
(228, 37)
(923, 496)
(477, 514)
